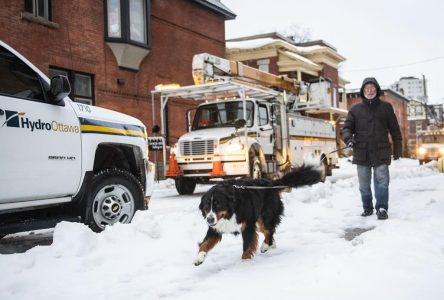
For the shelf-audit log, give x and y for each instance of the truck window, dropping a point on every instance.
(17, 79)
(222, 114)
(263, 115)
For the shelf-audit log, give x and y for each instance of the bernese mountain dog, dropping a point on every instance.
(246, 206)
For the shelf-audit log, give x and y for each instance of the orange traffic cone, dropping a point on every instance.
(173, 167)
(218, 170)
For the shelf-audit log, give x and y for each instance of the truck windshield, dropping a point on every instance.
(433, 139)
(222, 114)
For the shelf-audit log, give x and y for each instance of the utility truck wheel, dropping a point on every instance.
(114, 196)
(324, 170)
(185, 186)
(255, 168)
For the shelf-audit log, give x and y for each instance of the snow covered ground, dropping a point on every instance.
(325, 250)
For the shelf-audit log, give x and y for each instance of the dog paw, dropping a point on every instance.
(200, 258)
(265, 247)
(247, 256)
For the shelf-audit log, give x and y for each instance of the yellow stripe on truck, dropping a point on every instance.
(110, 130)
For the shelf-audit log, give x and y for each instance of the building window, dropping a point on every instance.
(418, 126)
(264, 65)
(418, 110)
(81, 84)
(39, 8)
(127, 21)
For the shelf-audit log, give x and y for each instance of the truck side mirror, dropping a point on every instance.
(156, 129)
(239, 123)
(59, 89)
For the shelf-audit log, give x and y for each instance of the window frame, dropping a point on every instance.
(125, 30)
(71, 74)
(35, 11)
(259, 106)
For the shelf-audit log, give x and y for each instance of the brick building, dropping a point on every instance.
(116, 51)
(400, 106)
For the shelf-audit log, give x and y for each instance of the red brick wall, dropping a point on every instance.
(331, 74)
(180, 29)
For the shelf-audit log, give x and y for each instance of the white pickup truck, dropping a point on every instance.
(61, 160)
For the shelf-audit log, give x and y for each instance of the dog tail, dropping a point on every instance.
(304, 175)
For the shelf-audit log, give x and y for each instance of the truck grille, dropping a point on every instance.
(202, 147)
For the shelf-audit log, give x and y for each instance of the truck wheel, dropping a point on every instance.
(255, 168)
(185, 186)
(324, 170)
(114, 196)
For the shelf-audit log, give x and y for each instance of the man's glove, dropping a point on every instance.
(396, 155)
(351, 142)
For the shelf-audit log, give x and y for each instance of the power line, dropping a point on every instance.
(395, 66)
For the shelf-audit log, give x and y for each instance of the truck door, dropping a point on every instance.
(39, 142)
(265, 134)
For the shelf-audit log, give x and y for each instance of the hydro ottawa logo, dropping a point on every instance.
(17, 120)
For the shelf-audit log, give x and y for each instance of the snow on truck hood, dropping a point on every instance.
(210, 133)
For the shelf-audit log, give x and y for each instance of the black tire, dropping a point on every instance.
(324, 170)
(114, 196)
(255, 168)
(185, 186)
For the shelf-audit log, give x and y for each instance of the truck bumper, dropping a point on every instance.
(230, 168)
(150, 170)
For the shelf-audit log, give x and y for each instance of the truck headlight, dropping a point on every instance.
(235, 147)
(422, 150)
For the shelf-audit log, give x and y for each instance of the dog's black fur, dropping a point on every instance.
(228, 208)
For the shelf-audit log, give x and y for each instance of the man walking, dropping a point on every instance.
(366, 130)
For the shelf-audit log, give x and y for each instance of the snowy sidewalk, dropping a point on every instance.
(325, 250)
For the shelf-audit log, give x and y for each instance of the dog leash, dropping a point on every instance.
(250, 187)
(340, 149)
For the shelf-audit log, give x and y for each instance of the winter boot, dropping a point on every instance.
(382, 214)
(367, 212)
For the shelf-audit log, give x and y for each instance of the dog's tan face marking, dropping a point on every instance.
(221, 214)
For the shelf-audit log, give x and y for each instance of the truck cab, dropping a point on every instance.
(65, 160)
(430, 146)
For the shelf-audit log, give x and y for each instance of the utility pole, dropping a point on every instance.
(425, 100)
(425, 88)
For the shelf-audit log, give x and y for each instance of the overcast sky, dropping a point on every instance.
(384, 39)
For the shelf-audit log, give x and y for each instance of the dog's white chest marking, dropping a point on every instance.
(228, 225)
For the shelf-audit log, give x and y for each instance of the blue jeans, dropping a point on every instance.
(381, 179)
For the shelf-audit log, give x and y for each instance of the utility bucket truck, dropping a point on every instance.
(244, 126)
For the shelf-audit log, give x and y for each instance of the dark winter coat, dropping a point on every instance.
(368, 124)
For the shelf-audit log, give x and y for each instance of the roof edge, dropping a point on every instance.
(220, 9)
